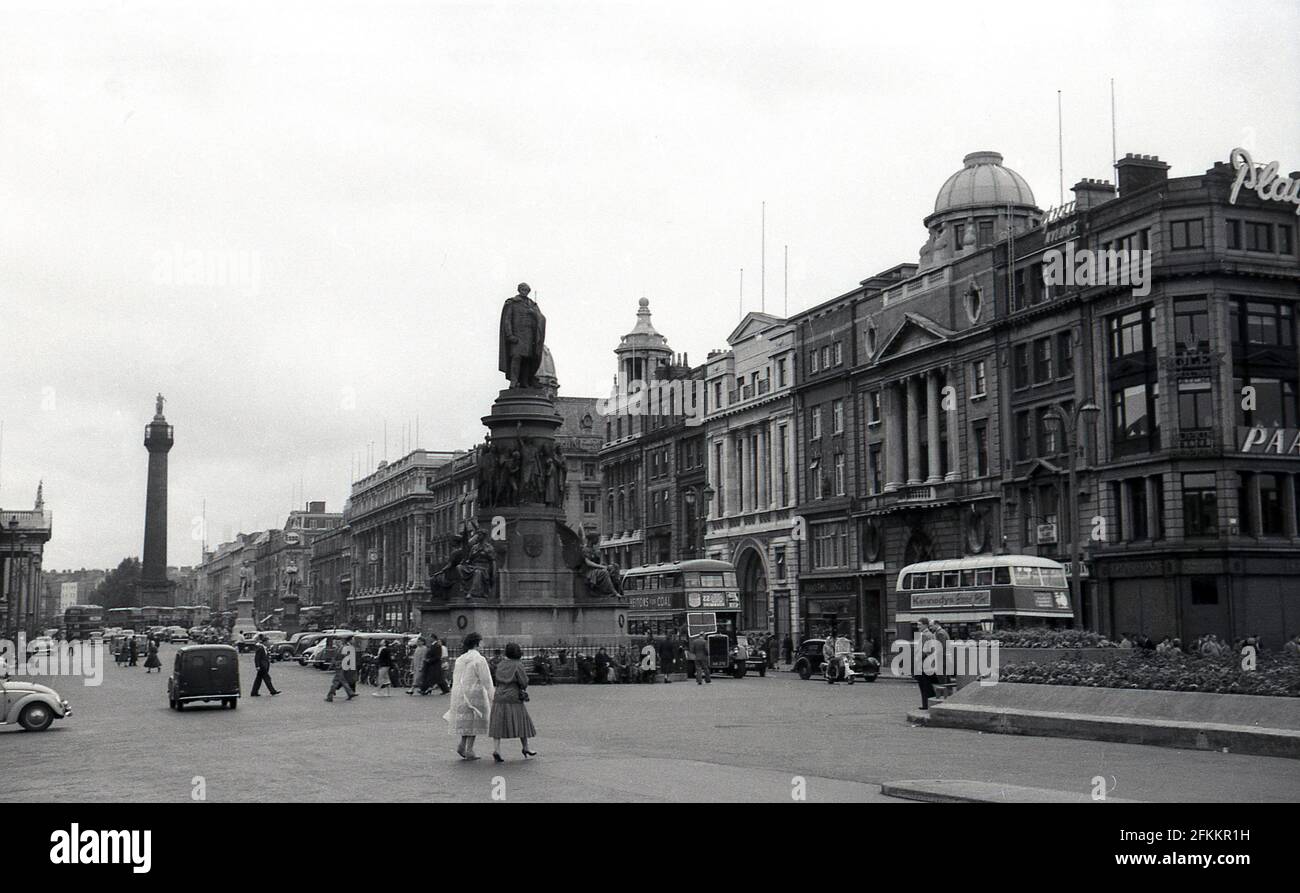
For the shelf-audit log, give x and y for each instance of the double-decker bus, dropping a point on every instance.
(125, 618)
(985, 591)
(79, 621)
(660, 596)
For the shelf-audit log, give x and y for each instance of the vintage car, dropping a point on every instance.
(204, 673)
(750, 655)
(808, 661)
(30, 705)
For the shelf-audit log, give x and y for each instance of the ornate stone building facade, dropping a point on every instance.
(750, 450)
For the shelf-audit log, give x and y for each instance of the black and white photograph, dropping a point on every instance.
(648, 402)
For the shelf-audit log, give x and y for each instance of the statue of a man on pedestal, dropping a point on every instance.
(522, 338)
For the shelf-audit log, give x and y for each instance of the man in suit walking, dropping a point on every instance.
(433, 666)
(262, 661)
(700, 655)
(345, 671)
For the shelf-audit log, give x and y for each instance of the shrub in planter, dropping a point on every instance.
(1042, 637)
(1274, 676)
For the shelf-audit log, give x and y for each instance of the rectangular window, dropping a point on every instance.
(1191, 326)
(1132, 412)
(1138, 508)
(815, 423)
(979, 379)
(875, 459)
(837, 416)
(826, 357)
(873, 407)
(1200, 505)
(1269, 324)
(839, 474)
(985, 236)
(778, 554)
(1047, 432)
(1259, 237)
(980, 437)
(1275, 402)
(1064, 354)
(1195, 406)
(1234, 234)
(1283, 238)
(1128, 333)
(1205, 591)
(1042, 360)
(837, 354)
(1270, 504)
(780, 372)
(831, 544)
(1185, 234)
(812, 360)
(1021, 366)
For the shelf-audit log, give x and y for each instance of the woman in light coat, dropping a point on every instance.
(472, 691)
(417, 668)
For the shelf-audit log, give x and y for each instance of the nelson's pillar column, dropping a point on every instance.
(154, 587)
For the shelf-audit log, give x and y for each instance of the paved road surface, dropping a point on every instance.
(736, 740)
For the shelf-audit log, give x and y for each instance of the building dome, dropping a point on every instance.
(983, 182)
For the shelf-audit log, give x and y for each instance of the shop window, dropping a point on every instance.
(1205, 591)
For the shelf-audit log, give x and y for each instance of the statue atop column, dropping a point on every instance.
(522, 339)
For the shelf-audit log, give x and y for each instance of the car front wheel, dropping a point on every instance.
(36, 717)
(805, 672)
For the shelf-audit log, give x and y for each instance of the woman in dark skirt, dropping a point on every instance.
(510, 717)
(151, 661)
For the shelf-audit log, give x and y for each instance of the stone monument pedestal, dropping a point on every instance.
(244, 621)
(541, 599)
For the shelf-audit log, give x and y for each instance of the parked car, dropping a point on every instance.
(808, 661)
(30, 705)
(305, 644)
(175, 634)
(281, 651)
(749, 655)
(204, 673)
(324, 657)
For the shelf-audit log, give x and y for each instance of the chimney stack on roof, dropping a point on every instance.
(1089, 193)
(1136, 172)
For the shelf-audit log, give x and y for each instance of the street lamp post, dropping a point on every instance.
(1070, 428)
(14, 609)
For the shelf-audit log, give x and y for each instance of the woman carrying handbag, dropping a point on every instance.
(510, 717)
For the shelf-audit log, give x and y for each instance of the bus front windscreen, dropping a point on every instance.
(698, 622)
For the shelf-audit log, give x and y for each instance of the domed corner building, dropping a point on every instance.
(893, 478)
(973, 208)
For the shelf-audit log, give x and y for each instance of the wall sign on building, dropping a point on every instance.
(1264, 180)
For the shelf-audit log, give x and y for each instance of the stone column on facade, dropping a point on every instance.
(913, 430)
(1155, 511)
(893, 411)
(954, 430)
(1125, 512)
(932, 414)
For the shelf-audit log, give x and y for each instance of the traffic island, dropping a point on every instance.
(955, 790)
(1245, 724)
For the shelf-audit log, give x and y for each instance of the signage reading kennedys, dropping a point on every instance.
(981, 598)
(1271, 441)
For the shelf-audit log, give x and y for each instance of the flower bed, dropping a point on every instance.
(1274, 675)
(1042, 637)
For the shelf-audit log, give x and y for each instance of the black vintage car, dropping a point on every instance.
(204, 673)
(808, 661)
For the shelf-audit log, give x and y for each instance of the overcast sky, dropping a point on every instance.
(298, 222)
